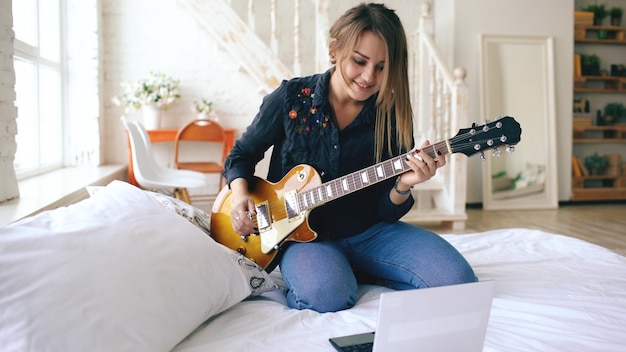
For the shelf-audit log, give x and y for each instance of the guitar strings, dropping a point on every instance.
(278, 208)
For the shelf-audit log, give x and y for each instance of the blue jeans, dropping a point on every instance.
(323, 275)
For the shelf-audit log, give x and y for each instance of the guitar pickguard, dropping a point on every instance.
(278, 232)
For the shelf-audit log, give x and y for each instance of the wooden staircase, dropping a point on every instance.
(266, 46)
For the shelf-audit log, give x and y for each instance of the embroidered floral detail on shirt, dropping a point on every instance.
(306, 116)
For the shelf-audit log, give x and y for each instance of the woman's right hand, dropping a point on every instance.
(243, 213)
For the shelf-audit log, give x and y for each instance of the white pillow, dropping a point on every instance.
(115, 272)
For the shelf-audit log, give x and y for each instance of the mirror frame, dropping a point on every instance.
(492, 68)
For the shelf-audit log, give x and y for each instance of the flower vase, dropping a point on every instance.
(213, 116)
(203, 116)
(151, 117)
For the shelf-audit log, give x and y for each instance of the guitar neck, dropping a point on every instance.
(371, 175)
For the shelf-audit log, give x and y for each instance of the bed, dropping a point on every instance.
(131, 270)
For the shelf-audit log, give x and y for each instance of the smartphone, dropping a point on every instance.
(359, 342)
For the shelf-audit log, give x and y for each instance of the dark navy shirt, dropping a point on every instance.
(296, 120)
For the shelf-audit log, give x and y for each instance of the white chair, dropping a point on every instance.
(150, 174)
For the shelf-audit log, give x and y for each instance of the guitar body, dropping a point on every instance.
(283, 226)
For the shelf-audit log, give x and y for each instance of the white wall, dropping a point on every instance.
(160, 35)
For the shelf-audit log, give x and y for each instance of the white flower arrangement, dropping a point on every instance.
(201, 106)
(158, 89)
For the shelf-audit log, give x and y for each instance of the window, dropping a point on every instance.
(58, 103)
(39, 86)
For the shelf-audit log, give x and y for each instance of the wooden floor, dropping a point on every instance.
(602, 224)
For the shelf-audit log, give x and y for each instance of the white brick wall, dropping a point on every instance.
(8, 112)
(143, 35)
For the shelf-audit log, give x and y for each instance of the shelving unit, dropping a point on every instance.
(599, 84)
(600, 134)
(588, 137)
(591, 34)
(603, 187)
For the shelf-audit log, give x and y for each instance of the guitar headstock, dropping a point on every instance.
(478, 138)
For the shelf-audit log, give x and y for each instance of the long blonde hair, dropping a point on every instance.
(394, 92)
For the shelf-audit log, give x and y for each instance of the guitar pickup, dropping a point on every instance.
(263, 216)
(291, 205)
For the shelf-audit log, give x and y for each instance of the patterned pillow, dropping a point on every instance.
(194, 215)
(260, 281)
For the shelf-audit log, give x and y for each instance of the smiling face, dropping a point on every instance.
(359, 74)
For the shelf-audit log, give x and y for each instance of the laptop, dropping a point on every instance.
(445, 318)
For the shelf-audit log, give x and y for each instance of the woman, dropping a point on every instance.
(344, 120)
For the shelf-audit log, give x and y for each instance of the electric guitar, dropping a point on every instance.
(282, 208)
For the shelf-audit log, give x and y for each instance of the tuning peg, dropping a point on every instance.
(503, 138)
(482, 156)
(486, 126)
(510, 149)
(496, 152)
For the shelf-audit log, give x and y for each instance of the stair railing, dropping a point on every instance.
(439, 99)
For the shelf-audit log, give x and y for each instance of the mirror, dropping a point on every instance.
(517, 79)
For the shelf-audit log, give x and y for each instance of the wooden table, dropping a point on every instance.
(168, 135)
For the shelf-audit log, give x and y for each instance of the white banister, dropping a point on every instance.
(273, 35)
(439, 98)
(322, 26)
(251, 22)
(297, 65)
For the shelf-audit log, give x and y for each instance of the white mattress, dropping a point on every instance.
(127, 270)
(553, 293)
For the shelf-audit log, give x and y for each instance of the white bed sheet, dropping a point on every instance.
(553, 293)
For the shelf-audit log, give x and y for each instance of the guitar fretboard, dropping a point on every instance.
(355, 181)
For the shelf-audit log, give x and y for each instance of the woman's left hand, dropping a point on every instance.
(423, 167)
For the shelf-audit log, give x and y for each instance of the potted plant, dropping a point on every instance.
(590, 65)
(151, 95)
(599, 13)
(614, 112)
(596, 164)
(202, 107)
(616, 16)
(159, 90)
